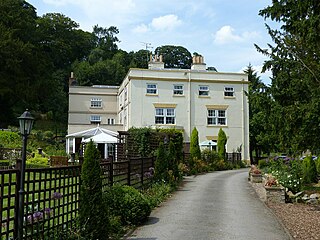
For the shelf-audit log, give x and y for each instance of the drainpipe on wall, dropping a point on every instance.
(189, 76)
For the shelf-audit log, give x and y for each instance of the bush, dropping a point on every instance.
(4, 163)
(38, 160)
(128, 203)
(157, 193)
(318, 166)
(262, 163)
(309, 171)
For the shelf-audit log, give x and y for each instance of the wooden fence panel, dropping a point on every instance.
(8, 201)
(52, 195)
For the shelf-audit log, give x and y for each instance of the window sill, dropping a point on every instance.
(217, 126)
(177, 95)
(229, 97)
(203, 96)
(150, 94)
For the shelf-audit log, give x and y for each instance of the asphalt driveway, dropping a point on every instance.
(219, 205)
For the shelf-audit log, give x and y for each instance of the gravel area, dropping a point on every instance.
(301, 220)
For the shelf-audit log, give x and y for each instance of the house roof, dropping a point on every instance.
(92, 132)
(101, 138)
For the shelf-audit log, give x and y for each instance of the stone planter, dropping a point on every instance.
(256, 178)
(275, 194)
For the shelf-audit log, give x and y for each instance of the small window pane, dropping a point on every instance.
(159, 120)
(178, 89)
(151, 88)
(170, 112)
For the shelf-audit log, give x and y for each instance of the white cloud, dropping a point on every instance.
(167, 22)
(142, 28)
(226, 35)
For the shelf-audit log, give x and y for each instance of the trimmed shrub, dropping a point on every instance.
(93, 216)
(221, 143)
(128, 203)
(195, 152)
(161, 164)
(309, 171)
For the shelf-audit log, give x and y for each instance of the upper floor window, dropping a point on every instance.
(95, 118)
(151, 88)
(216, 117)
(203, 90)
(125, 94)
(165, 116)
(177, 89)
(96, 103)
(228, 91)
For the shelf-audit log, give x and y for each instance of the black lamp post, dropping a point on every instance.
(25, 122)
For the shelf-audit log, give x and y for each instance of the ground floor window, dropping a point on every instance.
(165, 116)
(216, 117)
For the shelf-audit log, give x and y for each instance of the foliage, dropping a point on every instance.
(10, 139)
(157, 193)
(288, 175)
(141, 140)
(195, 152)
(262, 163)
(309, 170)
(127, 203)
(175, 56)
(294, 62)
(221, 143)
(161, 164)
(93, 216)
(38, 160)
(259, 112)
(173, 162)
(318, 165)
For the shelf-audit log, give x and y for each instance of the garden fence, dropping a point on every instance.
(52, 195)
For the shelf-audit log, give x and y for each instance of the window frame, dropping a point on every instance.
(110, 121)
(152, 90)
(203, 90)
(95, 118)
(165, 116)
(178, 91)
(96, 103)
(216, 117)
(229, 91)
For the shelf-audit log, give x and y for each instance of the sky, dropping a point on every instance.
(222, 31)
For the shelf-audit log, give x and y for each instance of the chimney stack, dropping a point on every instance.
(198, 63)
(72, 80)
(155, 62)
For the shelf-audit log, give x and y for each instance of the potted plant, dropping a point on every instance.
(275, 192)
(256, 175)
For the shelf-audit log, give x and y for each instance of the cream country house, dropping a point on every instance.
(158, 97)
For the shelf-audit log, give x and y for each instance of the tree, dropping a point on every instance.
(92, 212)
(175, 56)
(295, 65)
(221, 143)
(195, 152)
(161, 164)
(259, 112)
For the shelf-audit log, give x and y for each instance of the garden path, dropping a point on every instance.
(219, 205)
